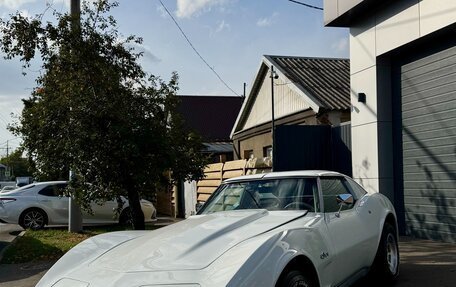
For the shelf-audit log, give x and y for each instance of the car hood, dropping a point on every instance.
(193, 243)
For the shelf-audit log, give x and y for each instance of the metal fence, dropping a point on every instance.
(313, 147)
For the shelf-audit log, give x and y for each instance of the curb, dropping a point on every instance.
(2, 252)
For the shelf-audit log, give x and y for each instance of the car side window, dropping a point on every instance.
(356, 188)
(331, 187)
(60, 189)
(53, 190)
(49, 190)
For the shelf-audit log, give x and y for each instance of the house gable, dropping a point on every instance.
(286, 101)
(303, 83)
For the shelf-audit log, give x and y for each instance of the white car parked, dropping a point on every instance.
(39, 204)
(7, 188)
(307, 228)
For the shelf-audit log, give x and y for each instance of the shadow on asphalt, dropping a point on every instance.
(423, 263)
(15, 272)
(15, 233)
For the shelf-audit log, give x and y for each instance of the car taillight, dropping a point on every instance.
(7, 200)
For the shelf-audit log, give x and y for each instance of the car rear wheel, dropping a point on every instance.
(125, 217)
(386, 263)
(296, 278)
(33, 219)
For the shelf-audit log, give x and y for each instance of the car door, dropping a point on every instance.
(102, 213)
(344, 227)
(55, 203)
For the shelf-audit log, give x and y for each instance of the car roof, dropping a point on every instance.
(33, 187)
(285, 174)
(38, 184)
(44, 183)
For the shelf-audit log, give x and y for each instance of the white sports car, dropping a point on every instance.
(39, 204)
(306, 228)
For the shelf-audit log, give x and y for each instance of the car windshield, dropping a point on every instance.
(271, 194)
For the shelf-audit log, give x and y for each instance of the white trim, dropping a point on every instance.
(267, 62)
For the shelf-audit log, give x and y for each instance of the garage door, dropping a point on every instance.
(428, 88)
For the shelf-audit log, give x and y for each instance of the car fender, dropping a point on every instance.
(266, 263)
(32, 206)
(381, 206)
(388, 209)
(85, 252)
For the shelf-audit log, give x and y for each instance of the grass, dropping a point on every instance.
(51, 243)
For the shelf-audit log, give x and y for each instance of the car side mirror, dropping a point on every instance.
(344, 200)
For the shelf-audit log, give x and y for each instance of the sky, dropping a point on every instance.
(231, 36)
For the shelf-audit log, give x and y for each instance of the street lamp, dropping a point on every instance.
(273, 76)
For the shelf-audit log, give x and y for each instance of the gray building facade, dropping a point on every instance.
(403, 62)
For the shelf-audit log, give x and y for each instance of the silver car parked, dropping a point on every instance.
(39, 204)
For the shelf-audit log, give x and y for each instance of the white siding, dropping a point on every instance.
(286, 102)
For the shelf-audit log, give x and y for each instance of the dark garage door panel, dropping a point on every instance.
(430, 126)
(428, 88)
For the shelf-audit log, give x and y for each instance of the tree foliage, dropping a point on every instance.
(18, 165)
(95, 111)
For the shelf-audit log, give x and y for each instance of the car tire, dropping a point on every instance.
(125, 217)
(296, 278)
(386, 263)
(33, 218)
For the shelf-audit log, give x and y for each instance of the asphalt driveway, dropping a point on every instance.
(7, 233)
(423, 263)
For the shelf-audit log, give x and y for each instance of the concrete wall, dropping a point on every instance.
(256, 143)
(190, 198)
(401, 22)
(336, 8)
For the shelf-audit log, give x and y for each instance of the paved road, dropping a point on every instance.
(424, 263)
(7, 233)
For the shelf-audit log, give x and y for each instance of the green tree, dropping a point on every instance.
(18, 165)
(96, 112)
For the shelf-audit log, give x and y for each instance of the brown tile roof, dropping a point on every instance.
(212, 117)
(326, 79)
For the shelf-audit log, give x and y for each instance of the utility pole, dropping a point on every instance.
(75, 7)
(273, 76)
(74, 211)
(243, 96)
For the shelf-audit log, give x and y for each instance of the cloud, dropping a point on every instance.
(10, 108)
(341, 45)
(14, 4)
(25, 14)
(267, 21)
(187, 8)
(222, 26)
(162, 11)
(147, 52)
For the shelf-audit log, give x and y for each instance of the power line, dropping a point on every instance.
(307, 5)
(5, 142)
(196, 51)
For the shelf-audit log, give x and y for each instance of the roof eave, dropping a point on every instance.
(353, 11)
(313, 102)
(247, 99)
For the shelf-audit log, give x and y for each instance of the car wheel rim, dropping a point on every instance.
(33, 219)
(391, 253)
(300, 284)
